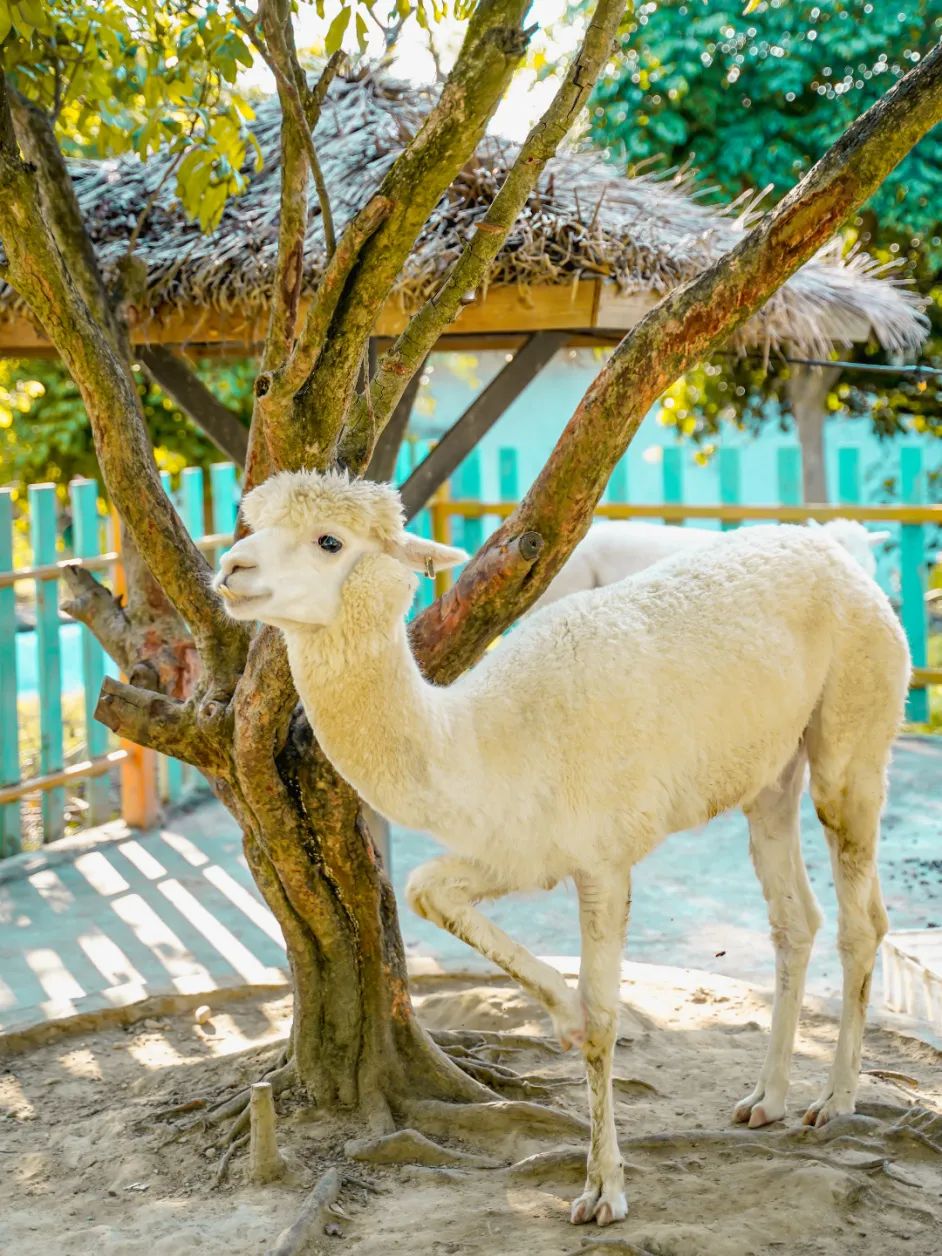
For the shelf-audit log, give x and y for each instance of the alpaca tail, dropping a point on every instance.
(856, 539)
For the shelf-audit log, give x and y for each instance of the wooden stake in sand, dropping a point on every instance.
(266, 1163)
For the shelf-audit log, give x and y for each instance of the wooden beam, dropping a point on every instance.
(215, 420)
(479, 418)
(382, 465)
(504, 309)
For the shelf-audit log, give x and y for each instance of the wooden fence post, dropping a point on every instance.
(848, 475)
(140, 800)
(788, 465)
(730, 482)
(672, 473)
(912, 555)
(422, 526)
(224, 487)
(42, 520)
(83, 495)
(10, 828)
(508, 475)
(618, 484)
(466, 483)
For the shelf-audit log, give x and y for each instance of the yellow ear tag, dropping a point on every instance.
(429, 569)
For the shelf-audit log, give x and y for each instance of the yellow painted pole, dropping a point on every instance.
(440, 511)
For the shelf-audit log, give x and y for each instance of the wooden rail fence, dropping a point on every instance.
(462, 513)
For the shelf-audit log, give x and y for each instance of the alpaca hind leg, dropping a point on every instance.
(447, 891)
(852, 825)
(775, 846)
(603, 917)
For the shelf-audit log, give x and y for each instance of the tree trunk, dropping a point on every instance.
(355, 1042)
(807, 389)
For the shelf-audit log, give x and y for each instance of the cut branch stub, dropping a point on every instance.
(266, 1163)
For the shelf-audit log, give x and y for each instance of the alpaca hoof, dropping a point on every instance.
(760, 1108)
(826, 1109)
(601, 1206)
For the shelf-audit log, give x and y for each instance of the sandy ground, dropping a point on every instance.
(82, 1168)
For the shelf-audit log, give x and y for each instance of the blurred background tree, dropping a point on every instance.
(751, 101)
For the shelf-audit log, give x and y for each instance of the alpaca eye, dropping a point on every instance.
(330, 544)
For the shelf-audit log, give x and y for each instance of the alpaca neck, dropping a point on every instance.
(380, 723)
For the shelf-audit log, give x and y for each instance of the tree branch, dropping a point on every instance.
(43, 279)
(34, 131)
(683, 328)
(413, 345)
(101, 612)
(281, 57)
(151, 719)
(222, 425)
(492, 48)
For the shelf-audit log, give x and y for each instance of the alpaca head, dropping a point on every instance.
(320, 539)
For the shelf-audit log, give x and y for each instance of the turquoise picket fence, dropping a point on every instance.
(58, 665)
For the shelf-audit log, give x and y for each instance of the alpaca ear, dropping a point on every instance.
(425, 556)
(877, 538)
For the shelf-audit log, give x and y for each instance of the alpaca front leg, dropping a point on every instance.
(603, 918)
(446, 892)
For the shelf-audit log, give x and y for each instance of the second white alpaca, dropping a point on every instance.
(611, 551)
(601, 726)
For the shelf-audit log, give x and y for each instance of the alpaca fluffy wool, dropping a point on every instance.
(292, 499)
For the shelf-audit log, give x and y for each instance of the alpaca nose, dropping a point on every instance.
(229, 565)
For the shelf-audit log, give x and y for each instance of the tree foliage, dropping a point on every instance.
(752, 100)
(44, 429)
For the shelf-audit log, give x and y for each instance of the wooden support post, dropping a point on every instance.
(384, 462)
(672, 473)
(10, 828)
(479, 418)
(180, 382)
(441, 532)
(421, 523)
(140, 801)
(730, 481)
(83, 495)
(912, 554)
(42, 519)
(789, 475)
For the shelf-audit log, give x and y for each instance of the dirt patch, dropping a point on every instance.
(93, 1161)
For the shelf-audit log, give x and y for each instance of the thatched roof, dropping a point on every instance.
(584, 222)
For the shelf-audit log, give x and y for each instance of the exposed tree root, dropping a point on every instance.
(492, 1040)
(500, 1079)
(474, 1120)
(223, 1168)
(279, 1076)
(410, 1147)
(560, 1162)
(314, 1215)
(612, 1247)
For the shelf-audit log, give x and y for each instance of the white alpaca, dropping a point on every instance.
(599, 727)
(611, 551)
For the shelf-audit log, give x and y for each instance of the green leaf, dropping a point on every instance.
(336, 31)
(361, 32)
